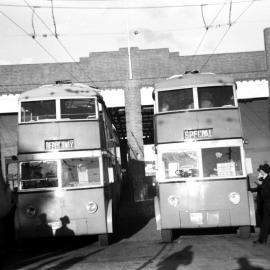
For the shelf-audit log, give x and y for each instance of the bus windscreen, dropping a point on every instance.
(78, 172)
(181, 164)
(39, 174)
(222, 162)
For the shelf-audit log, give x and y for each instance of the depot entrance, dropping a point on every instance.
(119, 119)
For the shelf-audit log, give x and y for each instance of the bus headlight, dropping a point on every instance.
(31, 211)
(234, 197)
(92, 207)
(173, 200)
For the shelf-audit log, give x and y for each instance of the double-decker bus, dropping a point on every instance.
(201, 172)
(69, 164)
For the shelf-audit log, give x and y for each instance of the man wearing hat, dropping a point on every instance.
(265, 191)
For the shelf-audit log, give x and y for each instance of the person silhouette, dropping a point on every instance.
(43, 229)
(64, 230)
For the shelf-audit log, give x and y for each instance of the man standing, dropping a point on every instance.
(265, 191)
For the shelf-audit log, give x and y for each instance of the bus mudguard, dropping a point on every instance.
(251, 209)
(157, 213)
(109, 217)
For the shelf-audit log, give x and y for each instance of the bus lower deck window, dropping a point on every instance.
(80, 172)
(183, 164)
(39, 174)
(222, 162)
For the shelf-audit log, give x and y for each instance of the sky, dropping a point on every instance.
(73, 29)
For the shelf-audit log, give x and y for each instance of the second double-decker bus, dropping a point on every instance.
(69, 164)
(201, 172)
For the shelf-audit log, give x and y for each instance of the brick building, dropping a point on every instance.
(110, 71)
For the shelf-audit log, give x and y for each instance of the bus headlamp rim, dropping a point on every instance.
(174, 200)
(31, 211)
(234, 197)
(92, 207)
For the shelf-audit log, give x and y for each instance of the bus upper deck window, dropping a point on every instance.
(38, 110)
(173, 100)
(78, 108)
(215, 96)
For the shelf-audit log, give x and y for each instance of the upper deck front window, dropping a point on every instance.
(78, 108)
(38, 110)
(215, 96)
(173, 100)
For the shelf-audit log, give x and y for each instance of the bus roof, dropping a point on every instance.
(65, 90)
(193, 79)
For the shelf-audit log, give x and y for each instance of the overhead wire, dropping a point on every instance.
(62, 45)
(40, 45)
(230, 13)
(33, 25)
(54, 23)
(207, 27)
(128, 7)
(141, 31)
(225, 33)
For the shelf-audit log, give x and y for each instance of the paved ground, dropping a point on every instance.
(139, 247)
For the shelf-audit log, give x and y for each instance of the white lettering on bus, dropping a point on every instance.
(61, 144)
(198, 133)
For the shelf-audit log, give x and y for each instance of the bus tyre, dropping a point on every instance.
(167, 235)
(103, 239)
(244, 231)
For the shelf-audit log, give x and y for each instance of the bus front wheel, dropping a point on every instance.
(244, 231)
(103, 239)
(167, 235)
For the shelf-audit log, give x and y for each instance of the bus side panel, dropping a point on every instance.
(34, 209)
(225, 123)
(76, 202)
(203, 204)
(37, 210)
(86, 135)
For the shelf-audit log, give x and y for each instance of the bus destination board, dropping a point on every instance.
(59, 144)
(196, 134)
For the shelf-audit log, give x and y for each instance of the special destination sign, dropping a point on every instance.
(195, 134)
(59, 144)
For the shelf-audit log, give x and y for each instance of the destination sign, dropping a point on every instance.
(195, 134)
(59, 144)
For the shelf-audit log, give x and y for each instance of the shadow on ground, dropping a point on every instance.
(133, 216)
